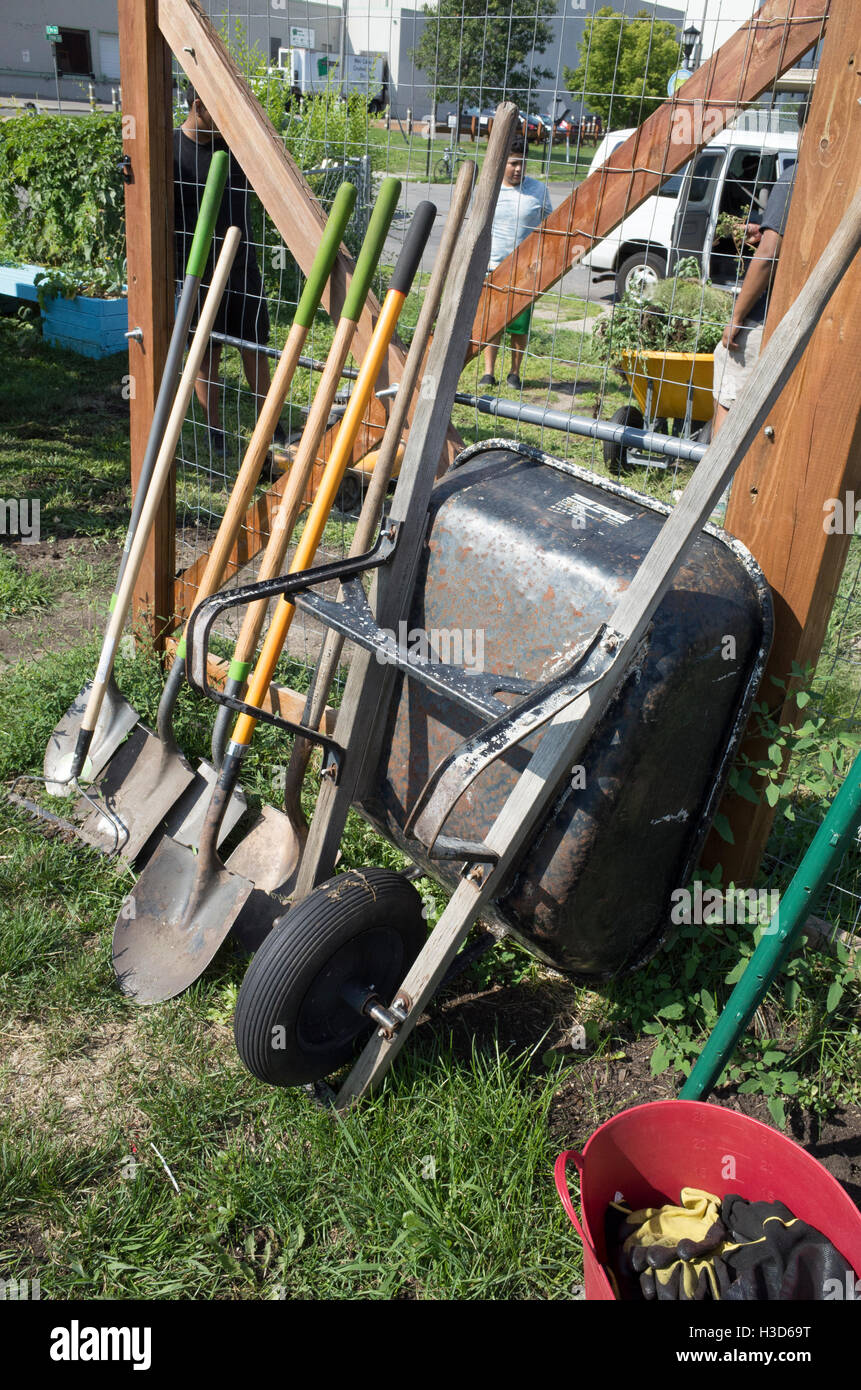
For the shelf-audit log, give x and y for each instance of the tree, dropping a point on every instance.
(625, 65)
(473, 51)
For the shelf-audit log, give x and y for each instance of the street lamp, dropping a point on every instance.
(690, 45)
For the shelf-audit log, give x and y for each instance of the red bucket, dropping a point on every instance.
(651, 1152)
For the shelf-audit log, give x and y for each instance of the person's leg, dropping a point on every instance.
(518, 347)
(490, 354)
(719, 418)
(206, 387)
(256, 367)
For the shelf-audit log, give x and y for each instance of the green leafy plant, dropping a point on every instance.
(107, 283)
(680, 314)
(734, 227)
(61, 193)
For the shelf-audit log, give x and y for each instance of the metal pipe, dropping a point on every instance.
(312, 363)
(646, 441)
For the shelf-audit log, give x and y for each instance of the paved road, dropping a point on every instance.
(577, 281)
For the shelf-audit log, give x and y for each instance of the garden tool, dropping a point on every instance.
(73, 766)
(303, 462)
(185, 905)
(149, 777)
(829, 844)
(117, 717)
(387, 459)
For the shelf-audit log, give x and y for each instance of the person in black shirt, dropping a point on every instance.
(243, 312)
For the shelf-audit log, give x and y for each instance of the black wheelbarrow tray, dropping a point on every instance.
(524, 561)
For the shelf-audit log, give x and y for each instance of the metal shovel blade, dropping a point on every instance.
(151, 787)
(269, 854)
(156, 952)
(116, 720)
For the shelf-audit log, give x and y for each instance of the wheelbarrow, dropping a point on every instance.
(667, 386)
(549, 783)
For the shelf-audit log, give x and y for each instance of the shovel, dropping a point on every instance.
(149, 779)
(265, 869)
(117, 717)
(293, 842)
(184, 905)
(75, 764)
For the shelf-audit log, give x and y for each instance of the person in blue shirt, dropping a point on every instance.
(522, 206)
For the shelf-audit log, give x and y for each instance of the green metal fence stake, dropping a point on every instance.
(840, 824)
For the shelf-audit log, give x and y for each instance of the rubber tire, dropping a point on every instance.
(616, 455)
(295, 955)
(441, 170)
(648, 260)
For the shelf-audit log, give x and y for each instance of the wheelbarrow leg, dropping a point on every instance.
(415, 993)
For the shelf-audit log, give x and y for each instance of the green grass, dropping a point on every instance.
(394, 152)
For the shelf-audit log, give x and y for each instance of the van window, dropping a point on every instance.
(705, 170)
(672, 187)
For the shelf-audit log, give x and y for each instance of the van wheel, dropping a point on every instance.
(637, 274)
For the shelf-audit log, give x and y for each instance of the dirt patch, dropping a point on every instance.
(71, 614)
(540, 1017)
(86, 1084)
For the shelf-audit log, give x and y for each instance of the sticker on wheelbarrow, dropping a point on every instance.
(580, 508)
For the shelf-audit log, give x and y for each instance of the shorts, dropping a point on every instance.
(520, 325)
(732, 369)
(243, 311)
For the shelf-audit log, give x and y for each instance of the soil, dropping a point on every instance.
(71, 615)
(539, 1016)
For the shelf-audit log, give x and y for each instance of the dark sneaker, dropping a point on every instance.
(487, 380)
(514, 381)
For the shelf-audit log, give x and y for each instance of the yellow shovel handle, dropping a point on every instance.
(331, 480)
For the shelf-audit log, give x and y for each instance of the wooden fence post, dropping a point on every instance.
(145, 65)
(778, 504)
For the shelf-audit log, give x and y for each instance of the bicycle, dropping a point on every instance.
(446, 165)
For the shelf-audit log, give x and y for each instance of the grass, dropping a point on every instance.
(395, 152)
(440, 1186)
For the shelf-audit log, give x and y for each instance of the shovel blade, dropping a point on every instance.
(139, 787)
(185, 821)
(159, 947)
(269, 854)
(116, 720)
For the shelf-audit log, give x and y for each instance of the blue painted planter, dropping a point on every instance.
(91, 327)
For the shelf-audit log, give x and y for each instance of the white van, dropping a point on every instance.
(734, 171)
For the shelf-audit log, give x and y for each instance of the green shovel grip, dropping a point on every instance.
(372, 248)
(209, 205)
(333, 234)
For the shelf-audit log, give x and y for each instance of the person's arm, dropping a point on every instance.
(754, 285)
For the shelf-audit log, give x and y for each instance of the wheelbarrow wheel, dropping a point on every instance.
(349, 498)
(616, 455)
(296, 1016)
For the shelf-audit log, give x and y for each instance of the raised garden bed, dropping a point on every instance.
(91, 327)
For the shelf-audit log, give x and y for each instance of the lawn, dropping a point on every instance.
(397, 152)
(139, 1158)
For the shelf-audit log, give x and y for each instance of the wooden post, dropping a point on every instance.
(778, 504)
(147, 126)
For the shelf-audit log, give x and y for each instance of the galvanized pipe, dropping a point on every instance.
(312, 363)
(644, 441)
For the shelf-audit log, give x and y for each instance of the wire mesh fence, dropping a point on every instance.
(631, 334)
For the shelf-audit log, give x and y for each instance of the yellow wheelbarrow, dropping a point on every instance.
(667, 386)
